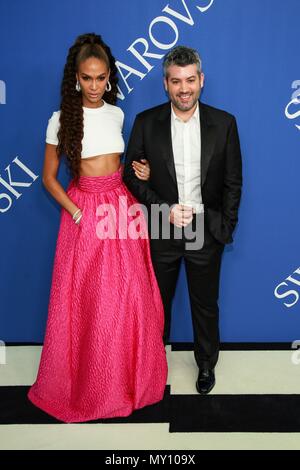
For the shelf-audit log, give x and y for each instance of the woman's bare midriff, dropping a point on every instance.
(101, 165)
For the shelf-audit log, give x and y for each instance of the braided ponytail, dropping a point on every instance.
(70, 134)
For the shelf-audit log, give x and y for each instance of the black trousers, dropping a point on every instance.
(203, 274)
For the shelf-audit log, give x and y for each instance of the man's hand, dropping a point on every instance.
(181, 215)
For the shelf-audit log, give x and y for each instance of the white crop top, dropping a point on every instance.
(102, 130)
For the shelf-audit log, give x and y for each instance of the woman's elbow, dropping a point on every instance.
(47, 182)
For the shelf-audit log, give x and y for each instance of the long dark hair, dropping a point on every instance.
(70, 134)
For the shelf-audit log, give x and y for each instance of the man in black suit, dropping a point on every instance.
(195, 162)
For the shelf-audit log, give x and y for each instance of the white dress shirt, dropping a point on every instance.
(186, 143)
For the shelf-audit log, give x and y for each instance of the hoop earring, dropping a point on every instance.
(108, 86)
(78, 87)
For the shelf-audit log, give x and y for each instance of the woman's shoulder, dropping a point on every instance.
(52, 128)
(55, 116)
(114, 109)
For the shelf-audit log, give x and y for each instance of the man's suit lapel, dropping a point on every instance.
(207, 141)
(164, 136)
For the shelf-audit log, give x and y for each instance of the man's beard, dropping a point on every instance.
(185, 106)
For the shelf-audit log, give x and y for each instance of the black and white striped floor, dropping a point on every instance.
(254, 405)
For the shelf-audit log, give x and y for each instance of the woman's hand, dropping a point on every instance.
(141, 169)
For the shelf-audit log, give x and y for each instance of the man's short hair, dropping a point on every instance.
(181, 56)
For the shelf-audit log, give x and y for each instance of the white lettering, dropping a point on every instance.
(291, 279)
(10, 188)
(294, 101)
(106, 228)
(3, 195)
(11, 184)
(2, 92)
(136, 227)
(120, 94)
(131, 71)
(163, 19)
(116, 460)
(25, 168)
(286, 294)
(140, 57)
(296, 94)
(184, 16)
(204, 9)
(187, 19)
(154, 459)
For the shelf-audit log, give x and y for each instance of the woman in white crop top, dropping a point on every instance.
(103, 353)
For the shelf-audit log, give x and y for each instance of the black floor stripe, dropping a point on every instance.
(184, 413)
(236, 413)
(15, 408)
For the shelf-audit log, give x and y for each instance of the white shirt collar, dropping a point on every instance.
(196, 114)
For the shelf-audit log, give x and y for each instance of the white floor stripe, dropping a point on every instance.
(237, 372)
(21, 365)
(135, 437)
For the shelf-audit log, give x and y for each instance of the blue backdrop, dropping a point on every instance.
(251, 61)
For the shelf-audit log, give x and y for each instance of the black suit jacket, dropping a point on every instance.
(221, 167)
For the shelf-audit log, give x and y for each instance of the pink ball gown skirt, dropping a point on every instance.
(103, 353)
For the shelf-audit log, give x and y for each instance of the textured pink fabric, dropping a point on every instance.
(103, 354)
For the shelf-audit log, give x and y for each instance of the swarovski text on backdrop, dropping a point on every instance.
(291, 292)
(184, 16)
(10, 185)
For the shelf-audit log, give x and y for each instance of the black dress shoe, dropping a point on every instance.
(206, 381)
